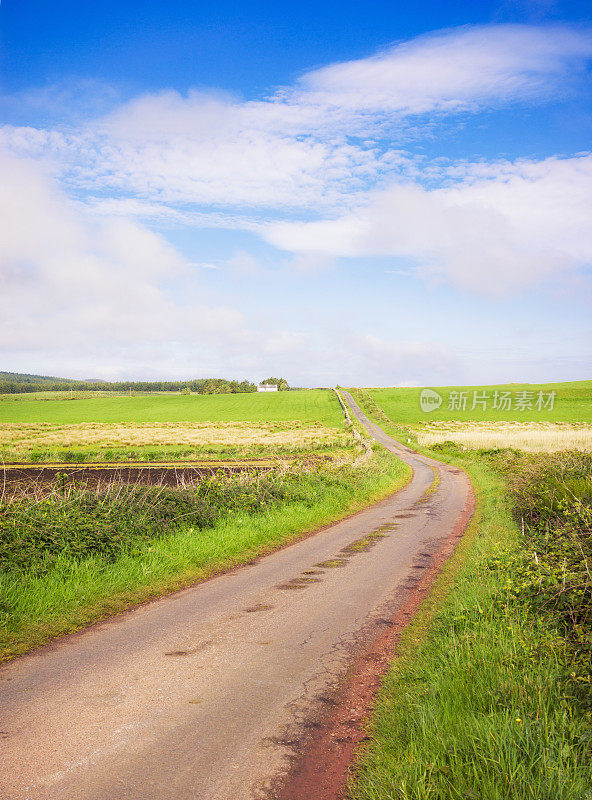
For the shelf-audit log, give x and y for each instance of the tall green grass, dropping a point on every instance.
(489, 697)
(86, 578)
(74, 522)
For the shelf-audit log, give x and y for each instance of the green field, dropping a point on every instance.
(314, 405)
(572, 403)
(74, 394)
(490, 696)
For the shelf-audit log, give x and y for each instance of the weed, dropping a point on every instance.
(73, 555)
(490, 696)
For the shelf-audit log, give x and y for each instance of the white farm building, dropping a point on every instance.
(267, 387)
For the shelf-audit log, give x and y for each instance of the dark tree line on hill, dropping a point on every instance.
(17, 383)
(13, 383)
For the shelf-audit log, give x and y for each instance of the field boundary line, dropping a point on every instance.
(363, 442)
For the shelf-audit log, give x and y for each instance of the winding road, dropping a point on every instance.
(209, 693)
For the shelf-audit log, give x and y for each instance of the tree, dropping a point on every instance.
(281, 383)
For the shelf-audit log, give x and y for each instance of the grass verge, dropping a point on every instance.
(490, 697)
(85, 578)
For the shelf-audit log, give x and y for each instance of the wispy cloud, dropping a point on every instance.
(336, 132)
(503, 227)
(322, 169)
(459, 69)
(70, 280)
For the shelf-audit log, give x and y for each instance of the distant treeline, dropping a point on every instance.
(15, 383)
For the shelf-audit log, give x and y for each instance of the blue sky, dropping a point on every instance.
(346, 192)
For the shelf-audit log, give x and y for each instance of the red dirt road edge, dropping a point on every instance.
(322, 768)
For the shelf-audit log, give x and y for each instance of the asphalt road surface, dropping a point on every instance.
(206, 694)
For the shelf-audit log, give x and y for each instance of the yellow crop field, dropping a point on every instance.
(529, 436)
(24, 437)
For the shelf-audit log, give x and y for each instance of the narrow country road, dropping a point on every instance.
(207, 694)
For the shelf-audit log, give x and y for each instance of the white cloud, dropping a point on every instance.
(348, 358)
(452, 70)
(243, 263)
(370, 360)
(72, 282)
(314, 145)
(105, 297)
(503, 227)
(88, 277)
(293, 345)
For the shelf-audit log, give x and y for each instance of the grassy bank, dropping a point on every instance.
(490, 695)
(73, 556)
